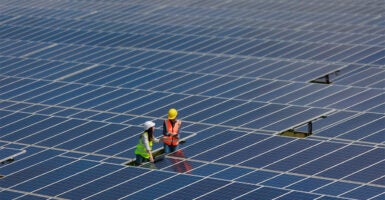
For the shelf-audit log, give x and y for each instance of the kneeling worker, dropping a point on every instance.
(171, 128)
(144, 147)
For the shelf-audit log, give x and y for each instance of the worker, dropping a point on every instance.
(143, 150)
(171, 128)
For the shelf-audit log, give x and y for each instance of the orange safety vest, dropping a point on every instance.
(172, 140)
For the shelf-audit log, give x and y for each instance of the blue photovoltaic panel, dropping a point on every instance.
(68, 168)
(299, 159)
(232, 190)
(265, 193)
(232, 173)
(260, 147)
(81, 178)
(310, 184)
(119, 179)
(197, 189)
(167, 186)
(256, 176)
(207, 170)
(228, 147)
(273, 155)
(79, 78)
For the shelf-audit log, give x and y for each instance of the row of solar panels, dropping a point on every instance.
(98, 136)
(68, 177)
(204, 44)
(363, 127)
(113, 139)
(244, 88)
(204, 84)
(230, 140)
(72, 58)
(73, 128)
(376, 40)
(242, 113)
(243, 12)
(368, 35)
(256, 89)
(131, 101)
(88, 73)
(297, 6)
(365, 35)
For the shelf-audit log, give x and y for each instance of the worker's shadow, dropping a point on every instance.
(175, 161)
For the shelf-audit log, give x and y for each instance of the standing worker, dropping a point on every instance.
(144, 147)
(171, 128)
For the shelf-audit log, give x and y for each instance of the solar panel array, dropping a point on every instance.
(78, 78)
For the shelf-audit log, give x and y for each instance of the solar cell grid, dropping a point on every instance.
(79, 77)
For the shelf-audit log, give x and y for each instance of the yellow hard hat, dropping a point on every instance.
(172, 113)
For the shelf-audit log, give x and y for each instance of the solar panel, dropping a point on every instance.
(78, 78)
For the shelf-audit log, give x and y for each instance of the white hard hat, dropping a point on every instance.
(148, 124)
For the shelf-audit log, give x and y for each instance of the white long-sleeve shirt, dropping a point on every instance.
(146, 142)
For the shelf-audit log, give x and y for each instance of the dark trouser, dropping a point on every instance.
(169, 148)
(140, 159)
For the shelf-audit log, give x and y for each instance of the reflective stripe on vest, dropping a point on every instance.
(172, 140)
(141, 148)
